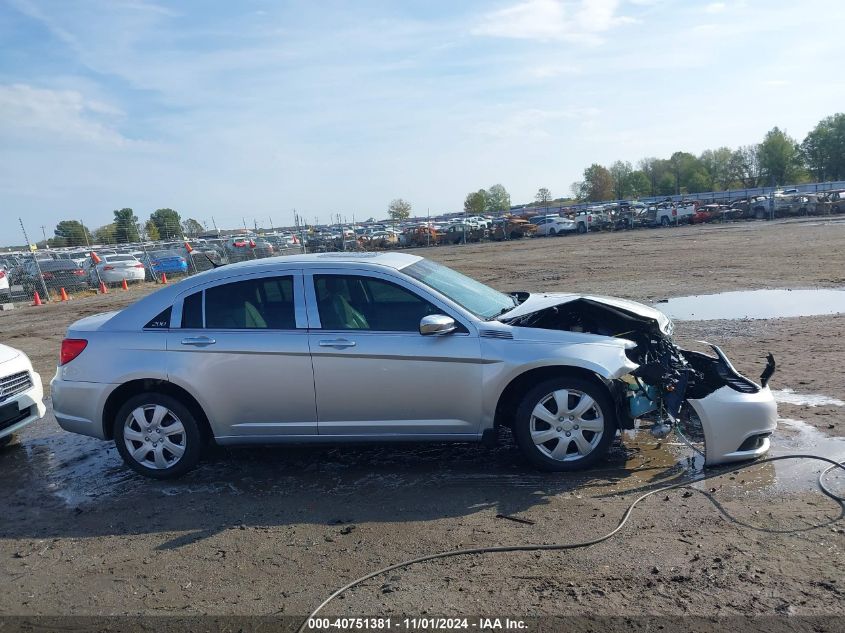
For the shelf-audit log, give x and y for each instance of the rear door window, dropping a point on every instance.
(266, 303)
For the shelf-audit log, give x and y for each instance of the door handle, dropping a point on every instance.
(198, 341)
(339, 342)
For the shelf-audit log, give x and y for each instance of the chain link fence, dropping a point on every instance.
(85, 263)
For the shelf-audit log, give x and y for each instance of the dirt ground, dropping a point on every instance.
(274, 531)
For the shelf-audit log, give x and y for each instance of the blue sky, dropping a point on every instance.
(254, 108)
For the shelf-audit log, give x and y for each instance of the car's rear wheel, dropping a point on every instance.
(564, 424)
(552, 232)
(157, 436)
(664, 220)
(6, 440)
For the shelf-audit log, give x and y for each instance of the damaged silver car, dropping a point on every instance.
(391, 347)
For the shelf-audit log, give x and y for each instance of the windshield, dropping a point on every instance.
(479, 299)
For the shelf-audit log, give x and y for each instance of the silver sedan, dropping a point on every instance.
(383, 347)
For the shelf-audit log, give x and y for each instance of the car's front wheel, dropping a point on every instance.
(157, 436)
(564, 424)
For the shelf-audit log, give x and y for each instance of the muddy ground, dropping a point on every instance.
(274, 531)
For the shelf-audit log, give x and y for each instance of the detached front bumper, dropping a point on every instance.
(736, 425)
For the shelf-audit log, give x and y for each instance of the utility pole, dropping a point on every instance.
(44, 233)
(214, 224)
(35, 259)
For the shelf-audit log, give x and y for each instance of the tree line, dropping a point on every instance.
(163, 224)
(777, 160)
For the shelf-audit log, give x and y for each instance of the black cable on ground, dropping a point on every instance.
(564, 546)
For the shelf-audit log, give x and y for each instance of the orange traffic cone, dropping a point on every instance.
(63, 295)
(123, 285)
(103, 289)
(37, 301)
(164, 278)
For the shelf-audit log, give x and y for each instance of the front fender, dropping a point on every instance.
(511, 359)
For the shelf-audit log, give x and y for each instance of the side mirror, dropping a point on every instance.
(437, 325)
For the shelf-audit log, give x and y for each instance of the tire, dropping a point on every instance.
(664, 221)
(582, 228)
(573, 447)
(552, 232)
(164, 463)
(5, 441)
(759, 214)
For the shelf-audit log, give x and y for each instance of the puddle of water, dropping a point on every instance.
(755, 304)
(788, 396)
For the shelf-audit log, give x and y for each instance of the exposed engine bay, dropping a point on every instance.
(660, 389)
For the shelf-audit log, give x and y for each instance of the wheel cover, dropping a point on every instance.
(154, 437)
(566, 425)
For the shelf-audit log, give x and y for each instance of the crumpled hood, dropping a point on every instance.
(540, 301)
(8, 353)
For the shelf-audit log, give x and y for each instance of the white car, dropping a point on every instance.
(21, 393)
(5, 292)
(555, 226)
(113, 269)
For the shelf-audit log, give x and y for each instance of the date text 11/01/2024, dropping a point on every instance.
(415, 624)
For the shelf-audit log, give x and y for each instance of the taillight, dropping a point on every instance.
(154, 263)
(108, 267)
(674, 212)
(79, 272)
(589, 218)
(71, 348)
(47, 275)
(2, 274)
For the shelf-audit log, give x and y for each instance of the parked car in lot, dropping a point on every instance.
(21, 393)
(57, 274)
(5, 290)
(512, 228)
(385, 347)
(114, 269)
(168, 262)
(668, 214)
(833, 201)
(555, 226)
(709, 213)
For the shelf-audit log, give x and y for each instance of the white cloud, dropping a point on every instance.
(546, 71)
(534, 123)
(62, 114)
(553, 20)
(715, 7)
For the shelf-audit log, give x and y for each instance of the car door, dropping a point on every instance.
(375, 374)
(240, 345)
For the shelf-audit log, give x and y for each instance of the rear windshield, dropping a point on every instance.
(120, 258)
(56, 264)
